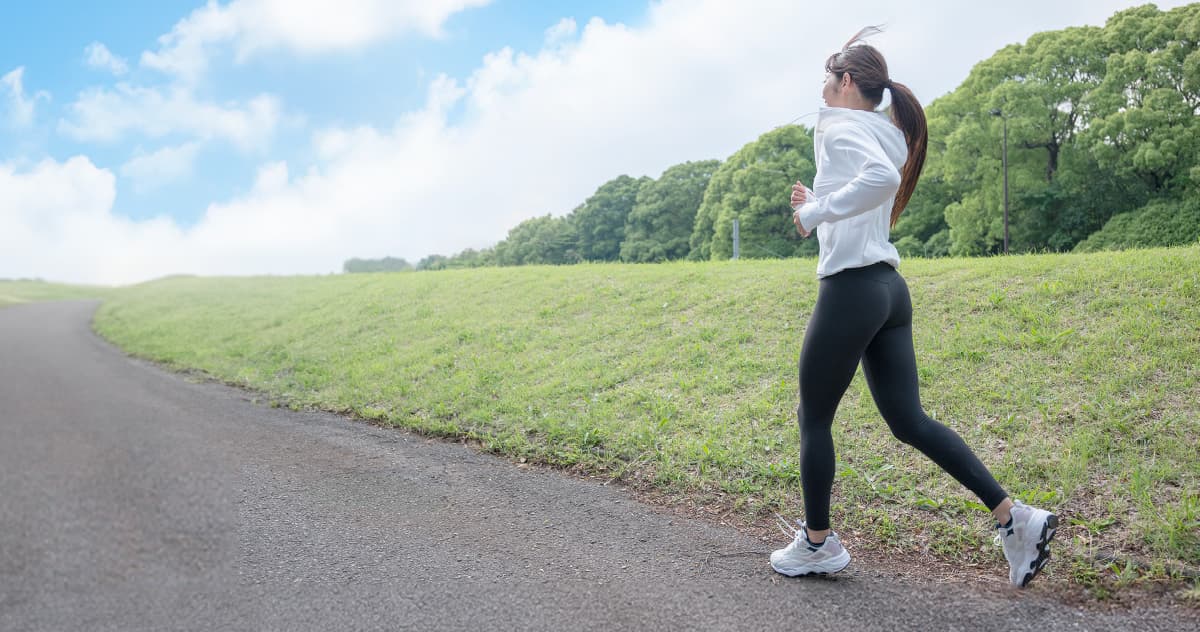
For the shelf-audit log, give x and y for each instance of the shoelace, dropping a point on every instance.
(786, 527)
(998, 539)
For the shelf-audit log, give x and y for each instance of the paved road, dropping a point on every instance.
(133, 499)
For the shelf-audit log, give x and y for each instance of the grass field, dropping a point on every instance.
(1073, 376)
(25, 291)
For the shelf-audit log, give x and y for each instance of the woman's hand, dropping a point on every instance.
(799, 197)
(799, 194)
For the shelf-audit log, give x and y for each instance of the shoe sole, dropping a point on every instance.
(1043, 548)
(824, 571)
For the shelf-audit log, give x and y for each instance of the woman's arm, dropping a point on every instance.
(876, 180)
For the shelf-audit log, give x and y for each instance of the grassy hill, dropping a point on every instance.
(25, 291)
(1074, 376)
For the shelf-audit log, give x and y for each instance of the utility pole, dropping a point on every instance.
(736, 244)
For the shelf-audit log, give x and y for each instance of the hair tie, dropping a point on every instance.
(888, 84)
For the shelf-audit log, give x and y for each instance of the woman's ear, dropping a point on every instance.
(846, 80)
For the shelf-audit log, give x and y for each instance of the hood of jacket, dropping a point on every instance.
(878, 124)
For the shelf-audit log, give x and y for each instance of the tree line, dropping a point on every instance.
(1103, 152)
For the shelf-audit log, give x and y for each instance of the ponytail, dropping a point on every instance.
(869, 70)
(908, 115)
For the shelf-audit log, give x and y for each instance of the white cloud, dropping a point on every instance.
(98, 56)
(168, 164)
(248, 27)
(56, 223)
(108, 115)
(302, 26)
(19, 106)
(557, 34)
(523, 135)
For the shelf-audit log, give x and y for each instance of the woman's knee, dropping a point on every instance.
(909, 429)
(813, 420)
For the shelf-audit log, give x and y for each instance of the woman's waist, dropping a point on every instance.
(882, 271)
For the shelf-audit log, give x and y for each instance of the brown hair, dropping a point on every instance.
(870, 73)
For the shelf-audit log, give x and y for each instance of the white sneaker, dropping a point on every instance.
(802, 557)
(1026, 542)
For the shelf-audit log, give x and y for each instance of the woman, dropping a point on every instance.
(867, 168)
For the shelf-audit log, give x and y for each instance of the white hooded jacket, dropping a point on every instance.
(859, 155)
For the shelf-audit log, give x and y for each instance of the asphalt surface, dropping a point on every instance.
(135, 499)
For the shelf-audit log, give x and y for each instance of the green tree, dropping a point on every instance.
(386, 264)
(939, 244)
(1145, 126)
(600, 221)
(1167, 222)
(1039, 89)
(753, 186)
(1100, 121)
(659, 226)
(539, 240)
(471, 258)
(700, 241)
(925, 214)
(433, 262)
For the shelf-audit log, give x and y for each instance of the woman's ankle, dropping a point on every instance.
(816, 536)
(1003, 512)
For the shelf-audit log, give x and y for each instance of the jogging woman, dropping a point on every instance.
(867, 168)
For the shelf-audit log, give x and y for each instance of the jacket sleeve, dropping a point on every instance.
(876, 179)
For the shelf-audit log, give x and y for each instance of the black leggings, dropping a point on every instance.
(866, 313)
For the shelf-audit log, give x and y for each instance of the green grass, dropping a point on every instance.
(1074, 377)
(27, 291)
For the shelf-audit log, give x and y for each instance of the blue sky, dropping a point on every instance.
(140, 139)
(368, 84)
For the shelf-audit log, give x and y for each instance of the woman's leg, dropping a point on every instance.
(849, 310)
(891, 370)
(890, 366)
